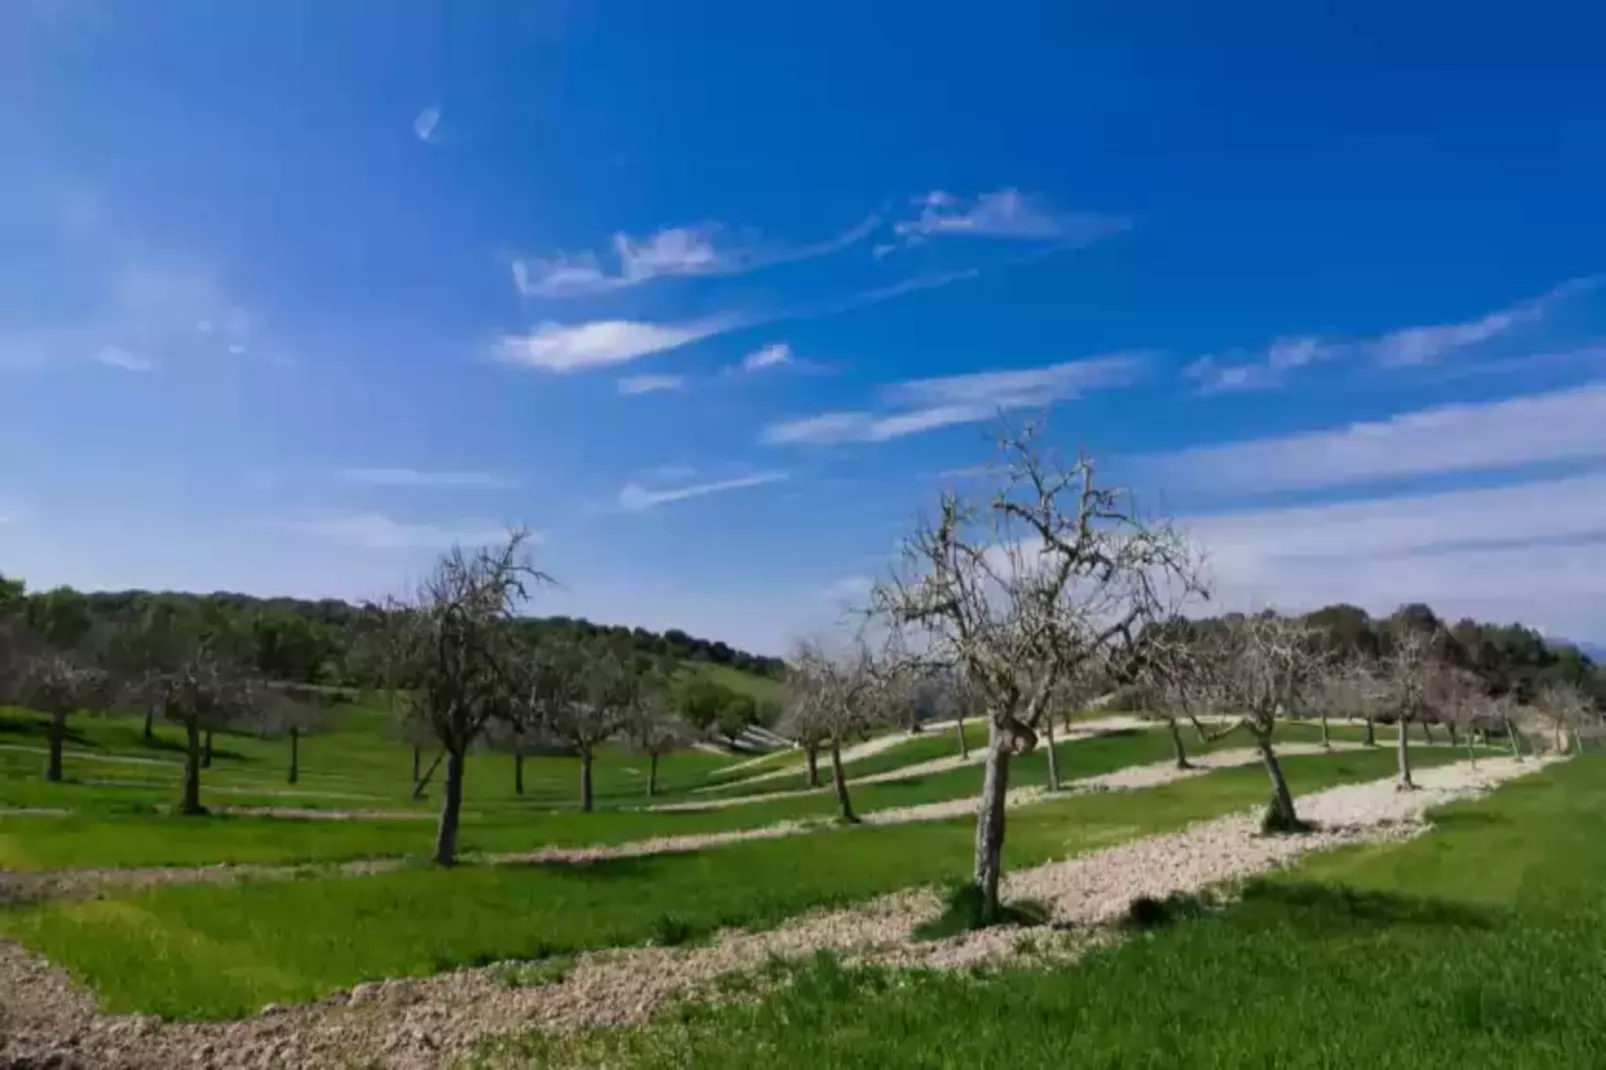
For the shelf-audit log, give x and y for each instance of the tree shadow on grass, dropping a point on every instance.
(1317, 909)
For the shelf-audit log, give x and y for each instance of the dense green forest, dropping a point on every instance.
(314, 642)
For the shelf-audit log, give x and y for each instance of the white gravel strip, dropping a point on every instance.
(423, 1022)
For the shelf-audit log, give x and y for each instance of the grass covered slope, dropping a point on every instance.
(1477, 945)
(218, 951)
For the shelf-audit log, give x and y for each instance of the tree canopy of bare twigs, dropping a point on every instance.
(1050, 572)
(55, 682)
(832, 696)
(652, 727)
(581, 696)
(450, 647)
(1571, 712)
(1413, 672)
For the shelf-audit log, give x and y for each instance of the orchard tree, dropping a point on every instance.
(1570, 712)
(581, 696)
(290, 718)
(57, 683)
(1412, 670)
(842, 694)
(653, 728)
(1053, 572)
(201, 690)
(1262, 667)
(450, 645)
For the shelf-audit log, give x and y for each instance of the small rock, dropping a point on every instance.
(269, 1009)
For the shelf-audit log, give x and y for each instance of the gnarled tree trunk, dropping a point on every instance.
(840, 782)
(1053, 758)
(295, 754)
(586, 799)
(811, 755)
(1403, 752)
(990, 822)
(58, 734)
(1177, 749)
(191, 802)
(1280, 813)
(964, 744)
(451, 809)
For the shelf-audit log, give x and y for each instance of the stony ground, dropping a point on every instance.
(426, 1022)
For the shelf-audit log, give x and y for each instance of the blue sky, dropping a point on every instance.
(717, 296)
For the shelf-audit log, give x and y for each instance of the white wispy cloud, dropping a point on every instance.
(117, 357)
(1006, 213)
(650, 384)
(1562, 425)
(636, 498)
(565, 348)
(375, 531)
(1534, 552)
(927, 404)
(421, 479)
(768, 357)
(426, 123)
(1408, 347)
(696, 250)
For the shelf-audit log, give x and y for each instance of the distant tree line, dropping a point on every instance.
(318, 642)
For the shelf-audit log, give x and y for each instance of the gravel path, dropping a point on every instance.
(423, 1022)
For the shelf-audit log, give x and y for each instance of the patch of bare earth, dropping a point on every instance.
(425, 1022)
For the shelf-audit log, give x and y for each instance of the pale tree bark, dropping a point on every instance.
(191, 802)
(990, 823)
(1053, 758)
(587, 798)
(1280, 814)
(1402, 753)
(58, 734)
(451, 810)
(840, 782)
(964, 744)
(1327, 736)
(1179, 751)
(295, 754)
(1514, 739)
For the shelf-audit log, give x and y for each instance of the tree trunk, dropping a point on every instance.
(206, 753)
(990, 823)
(964, 744)
(418, 754)
(1371, 733)
(1280, 815)
(1472, 751)
(451, 810)
(191, 803)
(150, 726)
(652, 774)
(840, 782)
(420, 783)
(1053, 758)
(1177, 748)
(1327, 737)
(1514, 740)
(1403, 752)
(1427, 732)
(518, 772)
(586, 802)
(1455, 735)
(58, 733)
(295, 755)
(811, 754)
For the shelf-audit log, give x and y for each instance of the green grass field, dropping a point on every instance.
(1478, 945)
(212, 951)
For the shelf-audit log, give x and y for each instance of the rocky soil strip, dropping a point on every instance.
(411, 1024)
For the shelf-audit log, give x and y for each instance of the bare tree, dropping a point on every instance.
(839, 695)
(1050, 573)
(1350, 689)
(1462, 703)
(290, 717)
(451, 648)
(1263, 667)
(1570, 711)
(652, 727)
(56, 683)
(201, 691)
(582, 696)
(1411, 672)
(805, 723)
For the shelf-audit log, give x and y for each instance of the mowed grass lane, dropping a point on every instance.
(219, 951)
(1477, 945)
